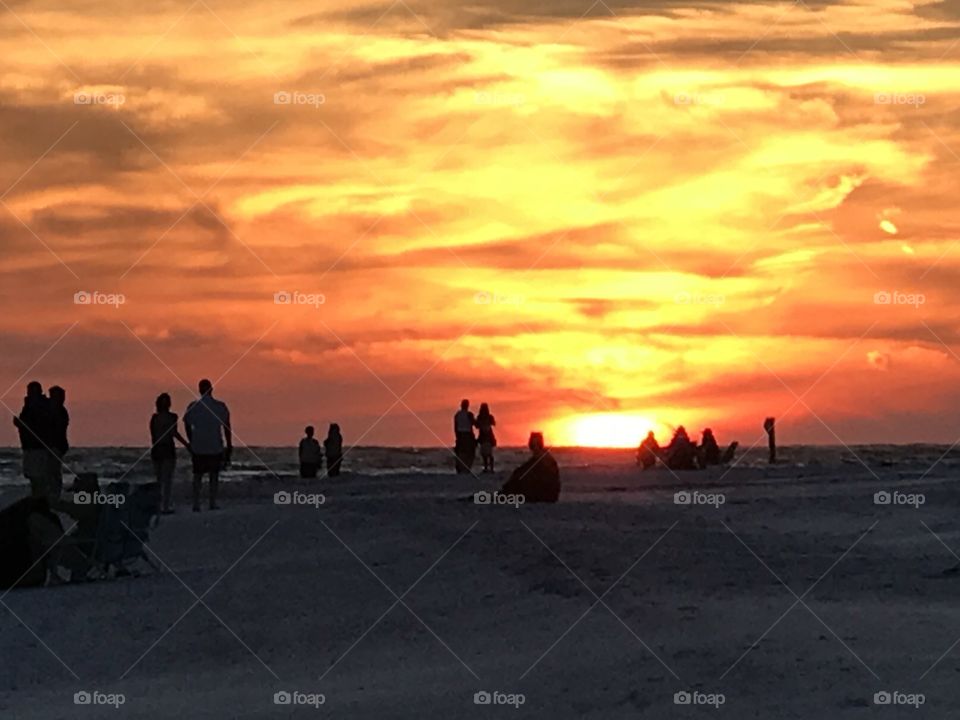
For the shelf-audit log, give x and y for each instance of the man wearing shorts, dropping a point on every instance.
(207, 425)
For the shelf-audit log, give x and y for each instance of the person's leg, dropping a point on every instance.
(35, 470)
(214, 482)
(197, 485)
(165, 476)
(56, 474)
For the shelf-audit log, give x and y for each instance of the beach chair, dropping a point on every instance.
(143, 511)
(122, 531)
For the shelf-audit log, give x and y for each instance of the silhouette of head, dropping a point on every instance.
(309, 430)
(484, 409)
(205, 387)
(650, 435)
(464, 404)
(163, 402)
(86, 482)
(58, 395)
(334, 429)
(536, 443)
(34, 389)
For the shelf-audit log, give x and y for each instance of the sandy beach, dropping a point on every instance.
(792, 595)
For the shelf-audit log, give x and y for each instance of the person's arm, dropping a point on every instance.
(227, 432)
(177, 436)
(186, 426)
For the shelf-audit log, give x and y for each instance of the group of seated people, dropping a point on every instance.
(683, 453)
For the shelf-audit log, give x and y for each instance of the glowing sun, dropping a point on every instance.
(610, 430)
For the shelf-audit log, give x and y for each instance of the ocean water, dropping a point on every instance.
(133, 463)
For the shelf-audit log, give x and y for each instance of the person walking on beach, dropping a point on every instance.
(485, 436)
(207, 424)
(59, 445)
(465, 444)
(538, 479)
(333, 446)
(35, 426)
(163, 451)
(309, 454)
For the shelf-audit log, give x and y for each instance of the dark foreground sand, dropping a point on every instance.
(394, 600)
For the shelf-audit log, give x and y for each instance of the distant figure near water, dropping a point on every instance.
(465, 445)
(486, 436)
(333, 446)
(681, 453)
(59, 445)
(538, 479)
(310, 454)
(35, 425)
(770, 427)
(648, 452)
(163, 451)
(709, 451)
(207, 423)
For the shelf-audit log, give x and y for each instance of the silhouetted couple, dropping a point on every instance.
(465, 442)
(42, 425)
(209, 439)
(311, 456)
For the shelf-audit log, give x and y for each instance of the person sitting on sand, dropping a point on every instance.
(681, 453)
(538, 479)
(207, 422)
(163, 451)
(465, 444)
(333, 446)
(709, 451)
(648, 452)
(310, 454)
(485, 436)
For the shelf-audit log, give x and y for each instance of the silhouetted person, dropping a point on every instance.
(681, 453)
(333, 446)
(648, 452)
(59, 445)
(310, 454)
(485, 436)
(538, 479)
(207, 423)
(465, 445)
(769, 426)
(709, 451)
(35, 425)
(163, 451)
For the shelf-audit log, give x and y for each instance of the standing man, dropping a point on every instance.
(35, 425)
(207, 425)
(60, 422)
(465, 446)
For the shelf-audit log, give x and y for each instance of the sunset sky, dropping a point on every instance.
(595, 217)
